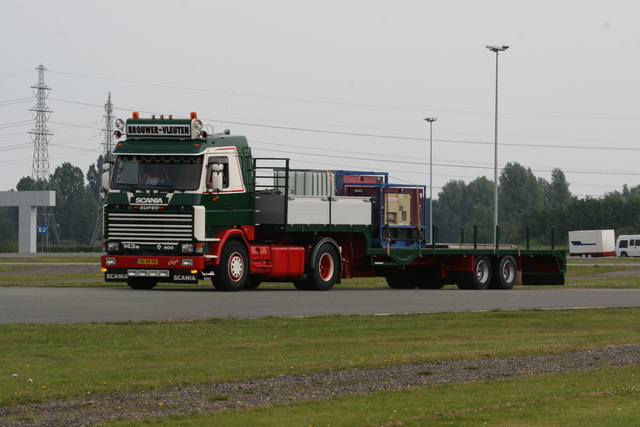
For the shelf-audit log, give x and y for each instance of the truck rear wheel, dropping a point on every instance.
(480, 277)
(325, 271)
(302, 285)
(142, 283)
(254, 282)
(232, 273)
(504, 273)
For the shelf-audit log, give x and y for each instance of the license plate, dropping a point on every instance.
(147, 261)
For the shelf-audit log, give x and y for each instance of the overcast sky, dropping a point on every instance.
(339, 84)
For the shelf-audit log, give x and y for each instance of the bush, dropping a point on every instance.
(8, 247)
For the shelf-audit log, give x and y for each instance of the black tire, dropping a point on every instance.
(623, 255)
(431, 284)
(460, 280)
(253, 283)
(142, 283)
(400, 283)
(480, 277)
(504, 274)
(326, 269)
(232, 274)
(301, 286)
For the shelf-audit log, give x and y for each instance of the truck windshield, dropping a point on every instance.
(171, 173)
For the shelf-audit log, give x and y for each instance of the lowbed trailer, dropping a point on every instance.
(184, 204)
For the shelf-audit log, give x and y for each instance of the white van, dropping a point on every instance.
(628, 245)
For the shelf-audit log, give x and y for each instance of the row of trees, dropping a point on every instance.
(525, 202)
(519, 191)
(530, 205)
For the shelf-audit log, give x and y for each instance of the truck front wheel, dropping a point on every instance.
(232, 273)
(142, 283)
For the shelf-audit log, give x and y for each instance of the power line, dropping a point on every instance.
(385, 136)
(16, 73)
(377, 106)
(405, 138)
(446, 165)
(15, 101)
(15, 124)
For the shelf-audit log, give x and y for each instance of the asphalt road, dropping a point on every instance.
(80, 305)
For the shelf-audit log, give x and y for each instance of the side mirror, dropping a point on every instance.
(106, 176)
(217, 180)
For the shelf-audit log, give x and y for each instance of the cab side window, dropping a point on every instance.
(623, 244)
(224, 162)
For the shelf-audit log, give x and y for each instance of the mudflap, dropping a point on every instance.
(542, 278)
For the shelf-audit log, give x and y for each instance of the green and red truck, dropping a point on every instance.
(184, 204)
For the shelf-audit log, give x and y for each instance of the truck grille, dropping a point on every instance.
(146, 227)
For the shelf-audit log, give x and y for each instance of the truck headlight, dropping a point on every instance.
(113, 246)
(187, 262)
(187, 248)
(110, 261)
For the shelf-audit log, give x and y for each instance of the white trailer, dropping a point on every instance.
(592, 243)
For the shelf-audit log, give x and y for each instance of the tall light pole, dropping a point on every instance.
(496, 49)
(431, 120)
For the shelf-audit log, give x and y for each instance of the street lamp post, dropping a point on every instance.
(496, 49)
(431, 120)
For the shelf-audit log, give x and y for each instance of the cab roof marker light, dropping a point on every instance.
(194, 115)
(135, 115)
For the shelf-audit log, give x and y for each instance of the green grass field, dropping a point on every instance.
(74, 359)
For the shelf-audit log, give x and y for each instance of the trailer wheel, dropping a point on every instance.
(433, 283)
(325, 271)
(232, 274)
(460, 280)
(480, 277)
(504, 273)
(400, 283)
(142, 283)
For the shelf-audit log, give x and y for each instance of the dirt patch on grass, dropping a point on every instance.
(184, 400)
